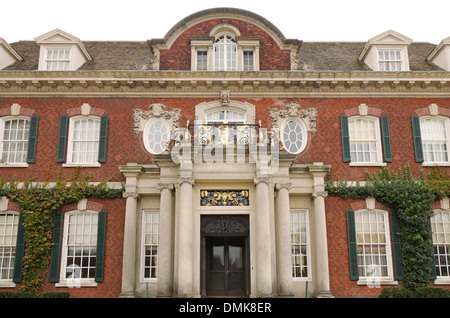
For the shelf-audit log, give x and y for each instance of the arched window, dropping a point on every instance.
(225, 54)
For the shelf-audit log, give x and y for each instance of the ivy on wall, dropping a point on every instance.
(38, 202)
(412, 199)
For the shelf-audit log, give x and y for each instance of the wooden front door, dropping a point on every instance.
(225, 253)
(226, 266)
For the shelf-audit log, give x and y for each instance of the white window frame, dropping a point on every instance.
(228, 47)
(374, 280)
(307, 245)
(154, 226)
(446, 142)
(377, 141)
(66, 61)
(396, 61)
(11, 235)
(441, 236)
(3, 120)
(70, 143)
(93, 226)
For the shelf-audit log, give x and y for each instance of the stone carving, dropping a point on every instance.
(156, 110)
(224, 224)
(224, 97)
(294, 110)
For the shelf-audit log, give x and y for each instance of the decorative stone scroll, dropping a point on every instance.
(156, 110)
(224, 198)
(294, 110)
(224, 224)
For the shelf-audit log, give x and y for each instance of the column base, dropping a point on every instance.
(127, 295)
(324, 294)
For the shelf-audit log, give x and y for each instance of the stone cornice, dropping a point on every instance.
(210, 84)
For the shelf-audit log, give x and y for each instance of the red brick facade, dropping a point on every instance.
(125, 146)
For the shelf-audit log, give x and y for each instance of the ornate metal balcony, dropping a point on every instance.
(224, 134)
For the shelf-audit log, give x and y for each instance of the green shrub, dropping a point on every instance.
(420, 292)
(55, 295)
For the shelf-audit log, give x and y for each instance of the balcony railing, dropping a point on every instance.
(224, 134)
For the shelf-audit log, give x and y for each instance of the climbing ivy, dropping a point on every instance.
(412, 199)
(38, 201)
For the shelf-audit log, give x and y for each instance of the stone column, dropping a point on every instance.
(284, 244)
(323, 277)
(165, 249)
(185, 238)
(263, 255)
(129, 246)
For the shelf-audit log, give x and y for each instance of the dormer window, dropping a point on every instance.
(61, 51)
(58, 59)
(387, 52)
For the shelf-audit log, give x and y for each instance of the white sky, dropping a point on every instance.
(140, 20)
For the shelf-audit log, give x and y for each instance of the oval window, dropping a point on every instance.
(156, 135)
(293, 136)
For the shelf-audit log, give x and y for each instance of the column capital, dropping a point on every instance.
(168, 186)
(287, 186)
(182, 180)
(322, 194)
(258, 180)
(133, 195)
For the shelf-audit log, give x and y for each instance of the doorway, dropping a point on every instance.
(225, 258)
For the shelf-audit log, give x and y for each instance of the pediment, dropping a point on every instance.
(387, 38)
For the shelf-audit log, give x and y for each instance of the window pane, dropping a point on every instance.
(440, 224)
(371, 233)
(363, 139)
(299, 241)
(15, 141)
(434, 139)
(85, 140)
(150, 244)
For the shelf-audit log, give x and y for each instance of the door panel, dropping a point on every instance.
(226, 267)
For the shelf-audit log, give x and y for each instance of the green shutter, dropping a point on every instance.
(103, 138)
(352, 250)
(386, 137)
(56, 249)
(345, 136)
(417, 138)
(101, 237)
(20, 250)
(32, 139)
(396, 246)
(62, 139)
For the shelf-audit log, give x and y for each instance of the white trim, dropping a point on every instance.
(147, 127)
(2, 128)
(205, 107)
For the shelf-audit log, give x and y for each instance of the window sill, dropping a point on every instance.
(375, 282)
(76, 284)
(436, 164)
(13, 165)
(442, 281)
(86, 165)
(367, 164)
(6, 284)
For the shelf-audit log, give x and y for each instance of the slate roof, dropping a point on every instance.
(324, 56)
